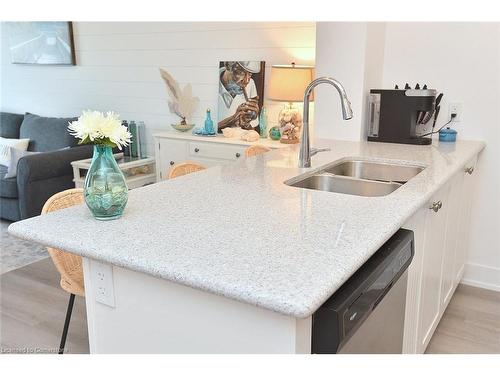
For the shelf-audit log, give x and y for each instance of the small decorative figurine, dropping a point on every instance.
(274, 133)
(250, 136)
(233, 132)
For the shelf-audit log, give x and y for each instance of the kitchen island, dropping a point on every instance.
(231, 259)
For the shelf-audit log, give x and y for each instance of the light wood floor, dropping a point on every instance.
(32, 311)
(470, 324)
(33, 307)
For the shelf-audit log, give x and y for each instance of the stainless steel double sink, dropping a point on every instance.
(358, 177)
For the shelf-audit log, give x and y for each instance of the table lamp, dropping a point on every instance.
(288, 83)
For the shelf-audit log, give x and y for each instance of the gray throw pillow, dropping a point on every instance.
(10, 124)
(47, 133)
(15, 155)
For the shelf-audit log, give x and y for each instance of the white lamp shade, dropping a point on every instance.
(288, 82)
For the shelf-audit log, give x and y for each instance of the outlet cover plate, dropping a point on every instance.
(457, 109)
(102, 275)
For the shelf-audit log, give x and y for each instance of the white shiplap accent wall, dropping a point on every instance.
(117, 67)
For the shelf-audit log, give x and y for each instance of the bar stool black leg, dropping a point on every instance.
(66, 323)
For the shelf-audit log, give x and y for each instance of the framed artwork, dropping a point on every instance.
(41, 43)
(241, 94)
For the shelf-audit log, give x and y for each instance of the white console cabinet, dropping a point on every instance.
(174, 148)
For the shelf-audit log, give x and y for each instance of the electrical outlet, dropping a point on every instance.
(455, 108)
(103, 281)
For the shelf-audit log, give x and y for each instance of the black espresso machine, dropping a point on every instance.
(402, 115)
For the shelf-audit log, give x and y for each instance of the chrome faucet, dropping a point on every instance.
(305, 148)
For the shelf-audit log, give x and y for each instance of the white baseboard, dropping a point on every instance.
(482, 276)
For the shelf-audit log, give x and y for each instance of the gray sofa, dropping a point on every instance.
(39, 175)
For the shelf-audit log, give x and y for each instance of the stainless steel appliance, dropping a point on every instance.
(366, 315)
(401, 116)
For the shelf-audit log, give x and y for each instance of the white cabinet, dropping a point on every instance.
(441, 239)
(215, 151)
(464, 219)
(417, 224)
(174, 148)
(434, 241)
(448, 283)
(168, 153)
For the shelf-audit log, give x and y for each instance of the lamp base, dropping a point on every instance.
(290, 141)
(290, 122)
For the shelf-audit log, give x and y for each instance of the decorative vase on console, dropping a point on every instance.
(105, 189)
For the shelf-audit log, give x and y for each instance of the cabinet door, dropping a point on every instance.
(430, 297)
(170, 152)
(410, 338)
(464, 220)
(451, 240)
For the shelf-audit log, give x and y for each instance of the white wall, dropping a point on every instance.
(118, 67)
(352, 53)
(462, 60)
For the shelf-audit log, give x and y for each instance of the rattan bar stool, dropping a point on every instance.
(256, 150)
(68, 265)
(185, 168)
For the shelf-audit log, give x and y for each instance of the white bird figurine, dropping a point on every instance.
(182, 102)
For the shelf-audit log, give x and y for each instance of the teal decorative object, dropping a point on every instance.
(274, 133)
(209, 124)
(105, 189)
(447, 135)
(263, 122)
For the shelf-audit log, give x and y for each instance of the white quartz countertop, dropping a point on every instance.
(238, 231)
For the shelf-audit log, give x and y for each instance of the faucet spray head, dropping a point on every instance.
(346, 108)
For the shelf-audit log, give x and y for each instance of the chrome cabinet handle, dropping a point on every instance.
(196, 149)
(436, 206)
(172, 162)
(469, 170)
(238, 154)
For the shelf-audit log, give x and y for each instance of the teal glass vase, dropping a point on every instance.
(263, 123)
(105, 189)
(209, 124)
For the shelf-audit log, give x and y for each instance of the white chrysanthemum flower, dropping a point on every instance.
(94, 127)
(120, 136)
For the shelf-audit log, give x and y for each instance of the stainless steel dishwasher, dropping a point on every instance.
(366, 315)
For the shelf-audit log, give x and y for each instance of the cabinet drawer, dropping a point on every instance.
(216, 151)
